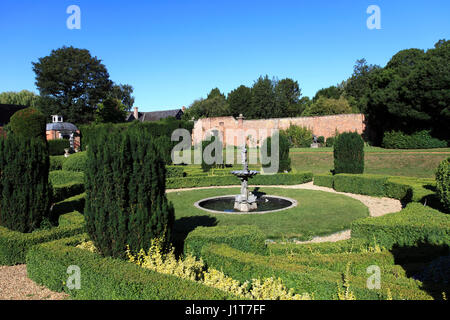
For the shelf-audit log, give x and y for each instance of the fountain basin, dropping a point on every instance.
(226, 204)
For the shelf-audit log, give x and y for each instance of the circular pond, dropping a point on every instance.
(225, 204)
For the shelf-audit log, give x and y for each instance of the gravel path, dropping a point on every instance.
(15, 285)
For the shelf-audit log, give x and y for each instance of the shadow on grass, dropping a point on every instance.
(427, 263)
(185, 225)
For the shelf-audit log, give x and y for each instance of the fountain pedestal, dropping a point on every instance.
(245, 201)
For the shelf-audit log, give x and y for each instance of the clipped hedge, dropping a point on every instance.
(411, 226)
(75, 162)
(56, 147)
(313, 277)
(229, 180)
(61, 177)
(61, 192)
(443, 183)
(245, 238)
(323, 180)
(418, 140)
(175, 172)
(14, 245)
(361, 184)
(56, 162)
(108, 278)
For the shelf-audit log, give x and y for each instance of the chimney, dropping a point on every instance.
(136, 113)
(183, 108)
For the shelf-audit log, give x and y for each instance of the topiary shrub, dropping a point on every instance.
(75, 162)
(29, 123)
(25, 191)
(443, 183)
(56, 147)
(349, 153)
(218, 158)
(330, 142)
(321, 140)
(125, 192)
(284, 159)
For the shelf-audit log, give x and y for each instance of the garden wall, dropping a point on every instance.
(325, 126)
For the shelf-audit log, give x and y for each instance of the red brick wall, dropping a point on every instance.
(321, 126)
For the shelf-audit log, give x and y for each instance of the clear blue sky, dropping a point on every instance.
(173, 52)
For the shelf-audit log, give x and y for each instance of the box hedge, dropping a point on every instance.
(314, 277)
(108, 278)
(323, 180)
(245, 238)
(56, 147)
(229, 180)
(14, 245)
(411, 226)
(75, 162)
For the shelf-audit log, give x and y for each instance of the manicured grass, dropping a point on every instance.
(412, 163)
(318, 213)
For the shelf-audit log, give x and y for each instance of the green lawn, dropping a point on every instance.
(317, 213)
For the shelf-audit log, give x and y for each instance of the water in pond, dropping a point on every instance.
(226, 204)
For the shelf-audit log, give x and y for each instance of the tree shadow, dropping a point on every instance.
(185, 225)
(427, 263)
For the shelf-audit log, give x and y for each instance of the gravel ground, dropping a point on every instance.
(15, 285)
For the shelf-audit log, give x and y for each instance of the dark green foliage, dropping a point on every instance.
(107, 278)
(349, 153)
(284, 164)
(64, 191)
(218, 158)
(75, 162)
(240, 101)
(14, 245)
(443, 183)
(125, 192)
(175, 172)
(60, 177)
(299, 137)
(71, 83)
(244, 238)
(321, 140)
(330, 142)
(56, 147)
(25, 191)
(413, 225)
(56, 162)
(418, 140)
(229, 180)
(28, 123)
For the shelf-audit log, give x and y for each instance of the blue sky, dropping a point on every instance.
(173, 52)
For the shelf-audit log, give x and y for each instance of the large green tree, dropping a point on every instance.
(263, 104)
(287, 95)
(123, 92)
(240, 101)
(412, 93)
(215, 105)
(71, 83)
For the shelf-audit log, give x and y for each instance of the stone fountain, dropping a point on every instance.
(245, 201)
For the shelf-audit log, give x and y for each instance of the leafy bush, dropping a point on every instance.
(106, 278)
(245, 238)
(443, 183)
(28, 123)
(330, 142)
(298, 137)
(125, 192)
(14, 245)
(418, 140)
(349, 153)
(25, 192)
(413, 225)
(284, 161)
(56, 147)
(321, 140)
(75, 162)
(56, 162)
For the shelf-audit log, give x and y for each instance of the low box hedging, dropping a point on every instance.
(56, 147)
(14, 245)
(60, 177)
(411, 226)
(108, 278)
(75, 162)
(360, 184)
(71, 204)
(175, 172)
(245, 238)
(323, 180)
(62, 192)
(319, 281)
(229, 180)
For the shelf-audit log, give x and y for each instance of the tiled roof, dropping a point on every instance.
(155, 115)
